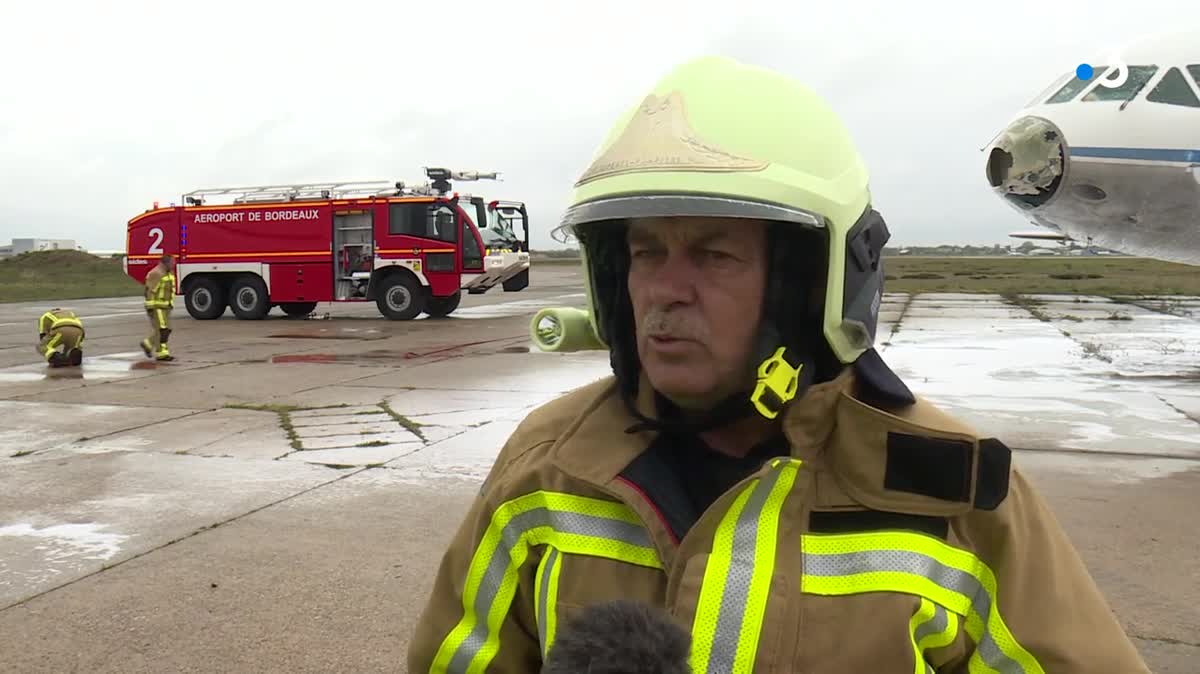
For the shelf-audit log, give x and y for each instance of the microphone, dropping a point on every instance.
(620, 637)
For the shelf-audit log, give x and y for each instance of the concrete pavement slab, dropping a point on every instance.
(529, 373)
(469, 417)
(366, 410)
(422, 402)
(350, 455)
(358, 440)
(350, 394)
(262, 442)
(302, 586)
(187, 434)
(37, 426)
(215, 386)
(330, 420)
(323, 431)
(1028, 383)
(469, 454)
(1124, 520)
(63, 519)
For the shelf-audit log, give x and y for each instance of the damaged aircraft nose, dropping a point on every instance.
(1026, 162)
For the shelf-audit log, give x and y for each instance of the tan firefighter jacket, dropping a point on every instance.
(891, 542)
(159, 289)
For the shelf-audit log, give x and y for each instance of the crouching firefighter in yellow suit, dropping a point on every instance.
(61, 338)
(160, 299)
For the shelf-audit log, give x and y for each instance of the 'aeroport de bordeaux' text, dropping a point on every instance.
(257, 216)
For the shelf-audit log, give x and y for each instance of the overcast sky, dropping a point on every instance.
(108, 106)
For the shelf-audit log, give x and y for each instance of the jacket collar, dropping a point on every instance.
(599, 448)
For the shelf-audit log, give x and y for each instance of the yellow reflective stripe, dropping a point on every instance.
(572, 524)
(73, 322)
(917, 564)
(165, 288)
(547, 596)
(930, 627)
(52, 345)
(733, 597)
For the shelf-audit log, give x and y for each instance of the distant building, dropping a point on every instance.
(19, 246)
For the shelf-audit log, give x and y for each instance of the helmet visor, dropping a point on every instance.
(651, 206)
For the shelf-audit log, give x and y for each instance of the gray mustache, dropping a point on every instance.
(665, 323)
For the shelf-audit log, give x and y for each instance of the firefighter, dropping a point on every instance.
(60, 335)
(160, 299)
(753, 466)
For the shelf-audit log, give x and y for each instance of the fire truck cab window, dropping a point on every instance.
(423, 219)
(471, 254)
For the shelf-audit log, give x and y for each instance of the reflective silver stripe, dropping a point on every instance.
(544, 597)
(560, 522)
(935, 625)
(738, 577)
(904, 561)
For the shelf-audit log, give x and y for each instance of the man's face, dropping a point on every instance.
(697, 288)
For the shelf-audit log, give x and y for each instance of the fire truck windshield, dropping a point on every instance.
(476, 211)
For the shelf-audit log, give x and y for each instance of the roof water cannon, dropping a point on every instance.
(439, 178)
(564, 329)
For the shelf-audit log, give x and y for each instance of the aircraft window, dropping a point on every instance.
(1174, 90)
(1051, 88)
(1138, 77)
(1075, 85)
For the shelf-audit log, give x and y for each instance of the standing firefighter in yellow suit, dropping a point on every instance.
(160, 299)
(753, 467)
(60, 334)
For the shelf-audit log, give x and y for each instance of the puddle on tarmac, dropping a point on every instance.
(62, 541)
(99, 368)
(332, 332)
(378, 356)
(1193, 375)
(345, 358)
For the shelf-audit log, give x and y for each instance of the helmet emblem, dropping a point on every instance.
(660, 138)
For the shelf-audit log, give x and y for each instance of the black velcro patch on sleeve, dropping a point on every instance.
(995, 461)
(931, 467)
(849, 521)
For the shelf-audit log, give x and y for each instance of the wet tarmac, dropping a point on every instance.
(279, 495)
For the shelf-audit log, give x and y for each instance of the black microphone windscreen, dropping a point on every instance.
(620, 637)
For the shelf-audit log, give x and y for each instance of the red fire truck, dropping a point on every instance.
(408, 249)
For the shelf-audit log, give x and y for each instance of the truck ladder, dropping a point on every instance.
(437, 185)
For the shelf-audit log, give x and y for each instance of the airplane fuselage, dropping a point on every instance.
(1121, 174)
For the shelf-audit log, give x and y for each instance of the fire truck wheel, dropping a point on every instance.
(204, 299)
(248, 298)
(440, 307)
(400, 298)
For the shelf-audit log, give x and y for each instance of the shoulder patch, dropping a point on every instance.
(945, 469)
(995, 464)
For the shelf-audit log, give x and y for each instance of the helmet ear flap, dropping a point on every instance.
(608, 271)
(863, 281)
